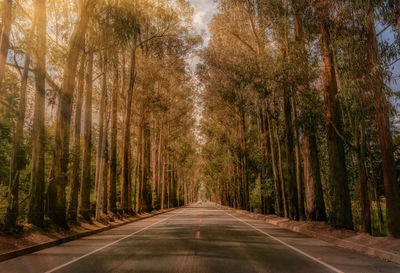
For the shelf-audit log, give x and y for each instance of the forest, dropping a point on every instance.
(292, 110)
(96, 115)
(301, 111)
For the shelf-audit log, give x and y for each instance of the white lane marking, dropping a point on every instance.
(110, 244)
(334, 269)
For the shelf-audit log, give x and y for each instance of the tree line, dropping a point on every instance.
(300, 119)
(96, 114)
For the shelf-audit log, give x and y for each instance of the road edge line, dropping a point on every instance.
(35, 248)
(110, 244)
(334, 269)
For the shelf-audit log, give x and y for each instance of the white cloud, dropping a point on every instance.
(204, 10)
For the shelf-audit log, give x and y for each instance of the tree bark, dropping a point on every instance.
(290, 163)
(101, 140)
(36, 200)
(84, 207)
(340, 213)
(146, 187)
(315, 205)
(112, 182)
(163, 183)
(104, 201)
(299, 180)
(280, 171)
(279, 209)
(5, 38)
(364, 197)
(385, 137)
(126, 199)
(76, 154)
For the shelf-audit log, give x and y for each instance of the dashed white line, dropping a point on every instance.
(110, 244)
(334, 269)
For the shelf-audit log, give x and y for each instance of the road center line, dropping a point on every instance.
(110, 244)
(334, 269)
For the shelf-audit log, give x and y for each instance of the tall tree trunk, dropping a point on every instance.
(57, 211)
(315, 205)
(243, 153)
(126, 198)
(160, 140)
(18, 161)
(385, 137)
(112, 182)
(101, 140)
(163, 183)
(5, 38)
(146, 187)
(340, 214)
(104, 200)
(290, 163)
(364, 197)
(76, 154)
(278, 190)
(280, 171)
(299, 180)
(86, 181)
(36, 200)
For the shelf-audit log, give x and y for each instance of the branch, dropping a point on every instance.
(244, 42)
(49, 80)
(351, 145)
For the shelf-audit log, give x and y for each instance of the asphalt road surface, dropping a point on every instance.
(199, 238)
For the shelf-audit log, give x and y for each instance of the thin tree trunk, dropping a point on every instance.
(146, 187)
(84, 207)
(364, 197)
(159, 166)
(126, 203)
(278, 191)
(5, 38)
(36, 200)
(290, 163)
(385, 137)
(101, 141)
(282, 184)
(112, 182)
(76, 154)
(299, 180)
(163, 183)
(105, 169)
(340, 214)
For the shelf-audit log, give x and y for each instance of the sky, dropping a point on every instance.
(204, 11)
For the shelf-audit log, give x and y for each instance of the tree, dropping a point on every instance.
(340, 214)
(57, 208)
(7, 16)
(36, 200)
(76, 153)
(84, 205)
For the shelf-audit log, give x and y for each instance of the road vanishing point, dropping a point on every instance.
(198, 238)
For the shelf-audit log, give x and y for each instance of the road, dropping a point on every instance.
(199, 238)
